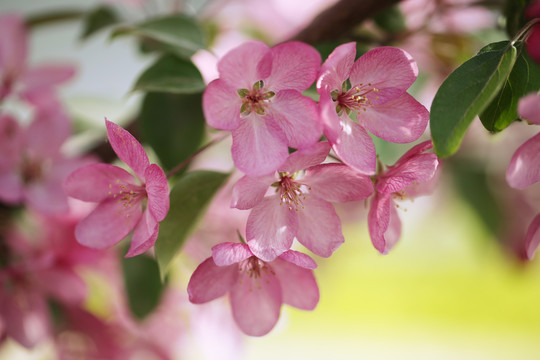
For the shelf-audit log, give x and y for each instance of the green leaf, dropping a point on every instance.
(189, 200)
(173, 125)
(143, 284)
(502, 111)
(391, 20)
(466, 93)
(178, 33)
(98, 19)
(171, 74)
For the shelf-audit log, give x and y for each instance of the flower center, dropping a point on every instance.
(291, 192)
(253, 267)
(127, 195)
(255, 100)
(353, 99)
(33, 169)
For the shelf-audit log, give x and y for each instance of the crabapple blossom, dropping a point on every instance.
(126, 202)
(299, 203)
(409, 177)
(33, 84)
(256, 288)
(258, 98)
(533, 41)
(32, 167)
(371, 90)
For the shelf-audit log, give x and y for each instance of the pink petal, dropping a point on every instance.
(210, 281)
(96, 182)
(157, 190)
(329, 118)
(56, 125)
(336, 69)
(298, 285)
(523, 169)
(256, 302)
(221, 105)
(225, 254)
(533, 237)
(418, 169)
(295, 66)
(413, 152)
(47, 196)
(11, 143)
(144, 235)
(298, 117)
(383, 223)
(259, 146)
(390, 70)
(128, 149)
(62, 283)
(249, 191)
(43, 76)
(306, 157)
(529, 108)
(13, 45)
(319, 227)
(270, 229)
(25, 315)
(109, 223)
(400, 120)
(338, 183)
(240, 68)
(299, 259)
(11, 188)
(355, 147)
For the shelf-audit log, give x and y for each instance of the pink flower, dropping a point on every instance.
(533, 41)
(374, 89)
(32, 84)
(524, 167)
(126, 202)
(410, 176)
(257, 288)
(259, 98)
(32, 167)
(299, 204)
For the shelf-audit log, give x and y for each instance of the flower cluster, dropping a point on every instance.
(289, 184)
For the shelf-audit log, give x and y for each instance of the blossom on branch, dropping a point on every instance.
(373, 91)
(259, 98)
(257, 288)
(298, 203)
(126, 202)
(409, 177)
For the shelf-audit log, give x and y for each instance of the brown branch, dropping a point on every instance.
(340, 18)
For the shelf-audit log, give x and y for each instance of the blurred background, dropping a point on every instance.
(456, 286)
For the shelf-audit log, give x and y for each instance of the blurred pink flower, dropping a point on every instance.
(533, 41)
(32, 167)
(126, 202)
(409, 177)
(257, 288)
(32, 84)
(301, 205)
(259, 98)
(374, 89)
(524, 167)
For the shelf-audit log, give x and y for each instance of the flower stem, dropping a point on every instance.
(523, 33)
(186, 162)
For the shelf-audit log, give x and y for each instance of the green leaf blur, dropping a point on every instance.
(143, 284)
(189, 200)
(173, 125)
(98, 19)
(171, 74)
(177, 33)
(465, 94)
